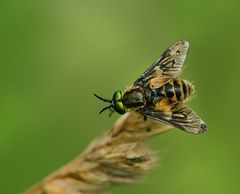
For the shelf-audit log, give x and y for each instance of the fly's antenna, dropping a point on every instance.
(103, 99)
(105, 108)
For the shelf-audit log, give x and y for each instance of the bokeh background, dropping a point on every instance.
(55, 54)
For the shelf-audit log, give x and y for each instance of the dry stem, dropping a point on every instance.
(119, 156)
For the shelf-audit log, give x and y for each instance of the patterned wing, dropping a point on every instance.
(179, 116)
(168, 65)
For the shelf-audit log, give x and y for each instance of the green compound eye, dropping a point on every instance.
(117, 96)
(119, 107)
(117, 104)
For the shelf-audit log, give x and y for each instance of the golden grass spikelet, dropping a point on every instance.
(119, 156)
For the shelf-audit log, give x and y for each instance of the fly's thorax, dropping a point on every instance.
(134, 97)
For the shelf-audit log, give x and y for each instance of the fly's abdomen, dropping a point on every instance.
(187, 89)
(176, 90)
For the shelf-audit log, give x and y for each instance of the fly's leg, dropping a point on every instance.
(111, 112)
(144, 117)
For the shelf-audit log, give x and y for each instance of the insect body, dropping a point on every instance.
(160, 94)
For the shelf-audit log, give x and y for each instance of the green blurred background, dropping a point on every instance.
(55, 54)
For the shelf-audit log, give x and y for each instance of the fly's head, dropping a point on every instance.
(116, 103)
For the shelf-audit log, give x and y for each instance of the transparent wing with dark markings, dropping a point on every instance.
(181, 117)
(168, 65)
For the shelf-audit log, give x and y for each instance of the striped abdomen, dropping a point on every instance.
(176, 90)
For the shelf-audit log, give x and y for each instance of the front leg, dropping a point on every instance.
(144, 117)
